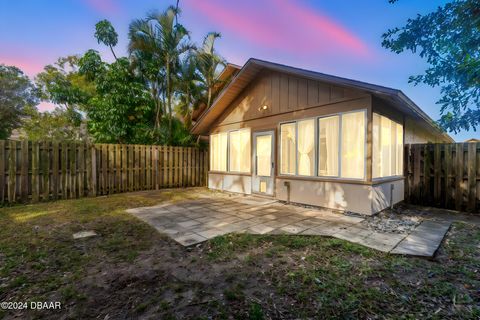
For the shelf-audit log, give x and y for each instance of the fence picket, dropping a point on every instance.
(2, 171)
(45, 160)
(55, 178)
(455, 182)
(35, 175)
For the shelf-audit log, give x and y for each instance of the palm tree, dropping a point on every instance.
(209, 63)
(156, 45)
(189, 89)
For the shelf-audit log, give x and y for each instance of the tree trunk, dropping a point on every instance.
(114, 55)
(169, 101)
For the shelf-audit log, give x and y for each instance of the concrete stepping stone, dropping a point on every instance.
(190, 239)
(424, 240)
(84, 234)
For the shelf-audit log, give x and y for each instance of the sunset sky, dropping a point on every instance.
(336, 37)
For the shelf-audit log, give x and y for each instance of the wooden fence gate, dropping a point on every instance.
(443, 175)
(34, 171)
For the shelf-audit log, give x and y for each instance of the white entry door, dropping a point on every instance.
(263, 162)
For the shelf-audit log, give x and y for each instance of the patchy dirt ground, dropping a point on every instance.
(131, 271)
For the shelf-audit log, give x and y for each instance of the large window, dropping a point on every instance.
(353, 145)
(328, 146)
(235, 158)
(239, 146)
(337, 141)
(387, 158)
(218, 151)
(287, 148)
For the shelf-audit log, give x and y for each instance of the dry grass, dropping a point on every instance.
(131, 271)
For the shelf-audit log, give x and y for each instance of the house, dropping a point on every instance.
(312, 138)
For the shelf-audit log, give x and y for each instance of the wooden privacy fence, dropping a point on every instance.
(34, 171)
(443, 175)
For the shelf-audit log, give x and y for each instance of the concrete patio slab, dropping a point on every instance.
(191, 222)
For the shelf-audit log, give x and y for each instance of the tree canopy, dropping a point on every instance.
(146, 97)
(17, 93)
(449, 40)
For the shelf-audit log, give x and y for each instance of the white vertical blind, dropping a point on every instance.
(306, 147)
(353, 145)
(218, 151)
(328, 143)
(264, 155)
(287, 148)
(387, 157)
(239, 154)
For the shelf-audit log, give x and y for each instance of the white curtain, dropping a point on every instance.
(399, 150)
(387, 157)
(234, 148)
(264, 155)
(239, 146)
(245, 150)
(386, 146)
(376, 154)
(218, 152)
(306, 154)
(353, 145)
(287, 155)
(328, 146)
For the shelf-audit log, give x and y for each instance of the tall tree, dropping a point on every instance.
(63, 85)
(163, 41)
(449, 40)
(17, 93)
(188, 89)
(105, 33)
(209, 65)
(120, 112)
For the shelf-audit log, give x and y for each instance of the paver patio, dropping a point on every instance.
(193, 221)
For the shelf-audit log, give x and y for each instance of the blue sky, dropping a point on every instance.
(337, 37)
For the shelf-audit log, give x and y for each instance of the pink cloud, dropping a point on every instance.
(283, 25)
(323, 27)
(29, 65)
(103, 6)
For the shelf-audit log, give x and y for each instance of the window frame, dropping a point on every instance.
(316, 128)
(227, 170)
(395, 176)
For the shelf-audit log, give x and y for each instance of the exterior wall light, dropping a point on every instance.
(263, 108)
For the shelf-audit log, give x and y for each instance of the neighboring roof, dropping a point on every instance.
(472, 140)
(253, 66)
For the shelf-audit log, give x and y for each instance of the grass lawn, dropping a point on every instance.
(131, 271)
